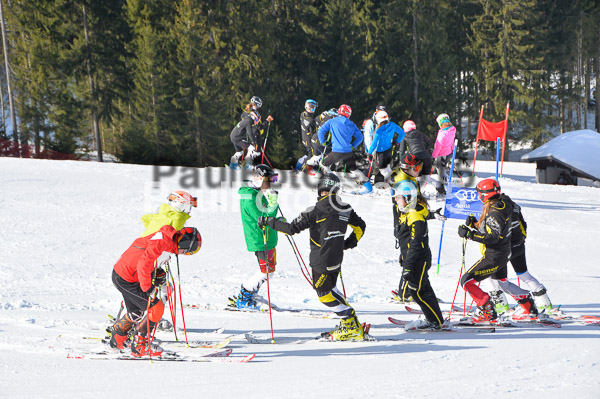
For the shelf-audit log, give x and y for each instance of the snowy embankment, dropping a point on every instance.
(65, 224)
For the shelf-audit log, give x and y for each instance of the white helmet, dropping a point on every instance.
(381, 116)
(182, 201)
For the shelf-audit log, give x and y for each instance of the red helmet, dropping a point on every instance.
(408, 126)
(189, 240)
(345, 110)
(487, 189)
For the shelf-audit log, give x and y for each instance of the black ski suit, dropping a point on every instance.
(495, 237)
(415, 259)
(308, 128)
(327, 222)
(245, 133)
(417, 143)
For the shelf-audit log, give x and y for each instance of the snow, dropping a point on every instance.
(65, 223)
(578, 149)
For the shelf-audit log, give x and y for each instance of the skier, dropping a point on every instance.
(251, 209)
(442, 150)
(138, 275)
(493, 231)
(344, 136)
(408, 171)
(386, 134)
(369, 126)
(415, 255)
(327, 222)
(174, 213)
(417, 143)
(308, 128)
(245, 136)
(518, 233)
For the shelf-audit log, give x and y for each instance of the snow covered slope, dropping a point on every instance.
(65, 223)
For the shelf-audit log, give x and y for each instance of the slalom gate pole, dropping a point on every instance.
(464, 248)
(181, 300)
(268, 269)
(448, 190)
(265, 143)
(269, 162)
(497, 156)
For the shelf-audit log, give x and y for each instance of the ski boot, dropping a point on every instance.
(367, 188)
(349, 329)
(140, 347)
(527, 309)
(543, 302)
(421, 324)
(244, 301)
(234, 166)
(120, 332)
(499, 299)
(487, 313)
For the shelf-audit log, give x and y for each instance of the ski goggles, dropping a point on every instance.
(274, 178)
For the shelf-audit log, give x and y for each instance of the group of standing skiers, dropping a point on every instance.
(142, 273)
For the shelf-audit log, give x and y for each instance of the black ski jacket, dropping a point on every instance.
(308, 126)
(495, 230)
(417, 143)
(244, 129)
(413, 238)
(327, 222)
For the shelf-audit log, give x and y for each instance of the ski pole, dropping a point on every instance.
(268, 269)
(292, 242)
(343, 286)
(181, 300)
(464, 247)
(448, 190)
(265, 143)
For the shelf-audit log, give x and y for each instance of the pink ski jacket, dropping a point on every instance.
(444, 143)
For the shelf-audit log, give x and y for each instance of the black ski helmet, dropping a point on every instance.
(328, 182)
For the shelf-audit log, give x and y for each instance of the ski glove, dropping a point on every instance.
(272, 197)
(470, 221)
(350, 242)
(159, 277)
(438, 214)
(465, 232)
(269, 118)
(263, 221)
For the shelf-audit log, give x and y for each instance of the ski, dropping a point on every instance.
(167, 356)
(197, 344)
(419, 311)
(479, 329)
(509, 322)
(253, 339)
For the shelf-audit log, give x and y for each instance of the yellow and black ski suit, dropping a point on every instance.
(415, 259)
(327, 222)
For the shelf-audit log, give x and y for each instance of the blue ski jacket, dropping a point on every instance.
(382, 140)
(344, 134)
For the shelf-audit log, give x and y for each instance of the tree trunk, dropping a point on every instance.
(92, 89)
(13, 114)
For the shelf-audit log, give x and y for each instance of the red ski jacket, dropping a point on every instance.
(138, 262)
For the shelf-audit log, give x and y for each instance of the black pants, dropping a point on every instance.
(136, 300)
(488, 266)
(347, 157)
(517, 258)
(419, 286)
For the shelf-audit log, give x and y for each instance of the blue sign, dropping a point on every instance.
(462, 202)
